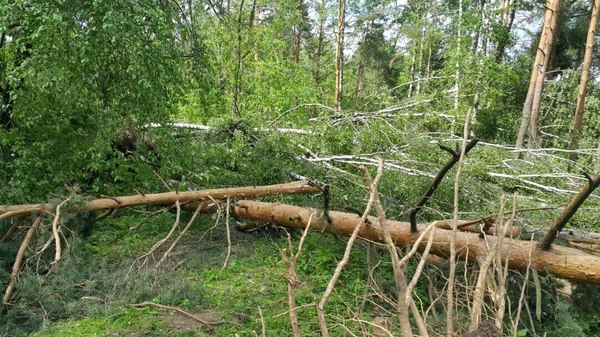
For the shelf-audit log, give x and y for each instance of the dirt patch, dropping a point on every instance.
(181, 323)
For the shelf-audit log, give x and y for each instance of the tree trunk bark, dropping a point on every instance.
(339, 55)
(540, 60)
(550, 30)
(168, 198)
(507, 17)
(585, 73)
(563, 262)
(299, 32)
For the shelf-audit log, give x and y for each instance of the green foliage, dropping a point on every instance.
(88, 70)
(124, 321)
(80, 79)
(566, 323)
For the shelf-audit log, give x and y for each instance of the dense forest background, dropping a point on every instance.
(132, 97)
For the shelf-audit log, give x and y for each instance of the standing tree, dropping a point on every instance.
(585, 73)
(534, 93)
(301, 27)
(339, 55)
(508, 10)
(551, 31)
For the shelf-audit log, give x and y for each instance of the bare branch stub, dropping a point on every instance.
(571, 208)
(437, 180)
(323, 187)
(354, 210)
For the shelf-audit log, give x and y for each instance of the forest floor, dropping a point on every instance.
(194, 280)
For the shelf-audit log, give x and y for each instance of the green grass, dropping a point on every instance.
(192, 279)
(124, 322)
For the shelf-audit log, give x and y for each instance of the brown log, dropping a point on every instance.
(474, 227)
(169, 198)
(570, 235)
(563, 262)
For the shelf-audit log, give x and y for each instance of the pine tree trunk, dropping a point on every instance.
(299, 32)
(537, 65)
(550, 31)
(585, 73)
(507, 17)
(339, 55)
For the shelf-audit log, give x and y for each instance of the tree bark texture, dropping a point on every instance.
(168, 198)
(540, 59)
(339, 54)
(570, 210)
(550, 32)
(563, 262)
(585, 75)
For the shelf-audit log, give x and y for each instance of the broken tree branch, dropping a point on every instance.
(176, 241)
(19, 259)
(56, 232)
(564, 217)
(338, 270)
(177, 310)
(290, 258)
(437, 180)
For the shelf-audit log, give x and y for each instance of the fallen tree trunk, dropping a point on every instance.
(474, 227)
(570, 235)
(563, 262)
(167, 198)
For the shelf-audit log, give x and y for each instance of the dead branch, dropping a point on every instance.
(472, 226)
(502, 269)
(564, 217)
(481, 278)
(263, 326)
(290, 258)
(185, 229)
(437, 180)
(13, 228)
(56, 230)
(168, 198)
(399, 269)
(570, 235)
(452, 247)
(228, 235)
(146, 218)
(167, 237)
(517, 317)
(372, 185)
(177, 310)
(19, 259)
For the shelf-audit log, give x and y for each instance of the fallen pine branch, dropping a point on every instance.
(563, 262)
(167, 198)
(19, 260)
